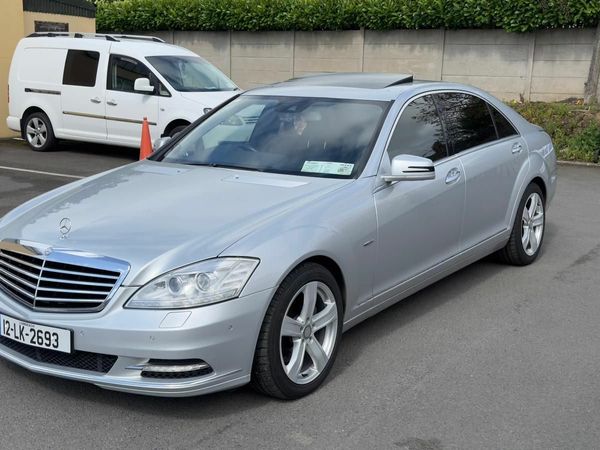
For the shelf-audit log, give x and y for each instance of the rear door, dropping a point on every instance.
(419, 222)
(82, 92)
(492, 153)
(126, 108)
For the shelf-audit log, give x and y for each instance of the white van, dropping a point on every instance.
(98, 88)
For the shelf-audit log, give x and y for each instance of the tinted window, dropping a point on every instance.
(419, 131)
(81, 67)
(468, 121)
(317, 137)
(503, 126)
(123, 71)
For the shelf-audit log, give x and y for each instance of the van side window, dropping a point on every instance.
(81, 67)
(419, 131)
(468, 120)
(123, 71)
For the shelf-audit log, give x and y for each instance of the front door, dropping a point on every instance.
(126, 108)
(419, 222)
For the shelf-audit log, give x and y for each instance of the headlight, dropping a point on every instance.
(206, 282)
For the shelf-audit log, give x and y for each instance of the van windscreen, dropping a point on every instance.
(191, 74)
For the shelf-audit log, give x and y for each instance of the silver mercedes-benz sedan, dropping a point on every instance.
(243, 248)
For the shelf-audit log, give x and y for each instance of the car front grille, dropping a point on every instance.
(94, 362)
(58, 280)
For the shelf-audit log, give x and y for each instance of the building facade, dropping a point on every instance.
(20, 18)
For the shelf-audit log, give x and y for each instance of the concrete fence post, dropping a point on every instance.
(590, 94)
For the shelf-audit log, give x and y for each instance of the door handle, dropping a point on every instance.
(517, 147)
(453, 175)
(95, 100)
(111, 103)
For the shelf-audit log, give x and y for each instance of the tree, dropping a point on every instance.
(591, 86)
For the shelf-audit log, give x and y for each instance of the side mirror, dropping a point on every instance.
(410, 168)
(143, 85)
(158, 143)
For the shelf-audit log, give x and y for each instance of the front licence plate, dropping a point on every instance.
(36, 335)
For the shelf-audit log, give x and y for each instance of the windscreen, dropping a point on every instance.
(293, 135)
(191, 74)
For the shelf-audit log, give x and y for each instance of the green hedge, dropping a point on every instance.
(574, 128)
(261, 15)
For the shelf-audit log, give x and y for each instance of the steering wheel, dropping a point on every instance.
(247, 147)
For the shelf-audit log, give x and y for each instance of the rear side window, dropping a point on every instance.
(419, 131)
(468, 121)
(81, 67)
(503, 126)
(123, 71)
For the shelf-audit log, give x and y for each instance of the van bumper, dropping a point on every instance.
(14, 123)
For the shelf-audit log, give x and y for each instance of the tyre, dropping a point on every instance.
(300, 334)
(38, 132)
(177, 129)
(527, 235)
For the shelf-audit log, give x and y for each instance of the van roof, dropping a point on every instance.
(132, 45)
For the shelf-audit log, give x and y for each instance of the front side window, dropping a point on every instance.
(123, 71)
(81, 67)
(419, 131)
(291, 135)
(191, 74)
(468, 120)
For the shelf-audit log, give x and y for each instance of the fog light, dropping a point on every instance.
(177, 368)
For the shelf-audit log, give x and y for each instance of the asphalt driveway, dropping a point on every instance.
(493, 357)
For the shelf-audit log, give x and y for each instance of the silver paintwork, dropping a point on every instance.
(388, 239)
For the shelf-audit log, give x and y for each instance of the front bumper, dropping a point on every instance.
(223, 335)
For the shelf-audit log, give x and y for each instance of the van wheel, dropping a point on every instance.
(177, 130)
(39, 132)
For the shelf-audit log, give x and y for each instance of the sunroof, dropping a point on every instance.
(357, 80)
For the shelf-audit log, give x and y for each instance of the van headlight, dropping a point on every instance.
(203, 283)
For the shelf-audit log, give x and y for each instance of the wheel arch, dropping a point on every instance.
(174, 124)
(542, 185)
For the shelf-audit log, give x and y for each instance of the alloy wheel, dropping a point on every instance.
(532, 224)
(36, 132)
(308, 332)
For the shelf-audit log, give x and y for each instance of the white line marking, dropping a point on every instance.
(40, 172)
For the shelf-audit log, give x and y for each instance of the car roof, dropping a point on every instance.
(359, 86)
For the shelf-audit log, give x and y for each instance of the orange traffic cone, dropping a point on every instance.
(146, 144)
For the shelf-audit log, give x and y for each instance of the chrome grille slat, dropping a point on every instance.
(21, 290)
(71, 291)
(58, 280)
(65, 300)
(16, 269)
(81, 274)
(4, 255)
(82, 283)
(14, 277)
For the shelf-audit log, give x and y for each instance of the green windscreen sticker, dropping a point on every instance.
(333, 168)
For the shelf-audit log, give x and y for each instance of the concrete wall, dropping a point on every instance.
(11, 26)
(545, 65)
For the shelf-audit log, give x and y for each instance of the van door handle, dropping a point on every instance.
(111, 103)
(453, 175)
(95, 100)
(517, 147)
